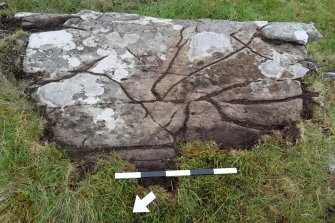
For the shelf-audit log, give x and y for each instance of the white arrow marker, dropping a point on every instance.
(140, 205)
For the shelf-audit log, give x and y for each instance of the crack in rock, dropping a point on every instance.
(141, 84)
(179, 46)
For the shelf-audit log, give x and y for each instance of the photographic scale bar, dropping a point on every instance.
(175, 173)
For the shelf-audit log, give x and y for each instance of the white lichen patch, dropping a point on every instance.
(104, 30)
(89, 15)
(298, 70)
(118, 41)
(82, 88)
(108, 116)
(127, 55)
(90, 42)
(162, 56)
(47, 40)
(104, 52)
(280, 63)
(301, 36)
(116, 66)
(271, 69)
(204, 44)
(72, 61)
(106, 66)
(31, 52)
(177, 27)
(260, 24)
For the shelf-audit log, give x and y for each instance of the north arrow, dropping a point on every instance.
(140, 205)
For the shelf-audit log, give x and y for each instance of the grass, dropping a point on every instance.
(12, 47)
(277, 182)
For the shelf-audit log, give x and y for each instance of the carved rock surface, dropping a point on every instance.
(136, 83)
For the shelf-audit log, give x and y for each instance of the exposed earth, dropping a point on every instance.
(140, 85)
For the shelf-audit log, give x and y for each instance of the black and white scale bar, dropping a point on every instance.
(174, 173)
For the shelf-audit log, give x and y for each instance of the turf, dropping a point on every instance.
(277, 181)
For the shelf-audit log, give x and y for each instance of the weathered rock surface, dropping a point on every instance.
(141, 84)
(290, 31)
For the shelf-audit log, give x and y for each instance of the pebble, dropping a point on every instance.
(3, 5)
(332, 166)
(330, 75)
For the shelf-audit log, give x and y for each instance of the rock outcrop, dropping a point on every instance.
(140, 84)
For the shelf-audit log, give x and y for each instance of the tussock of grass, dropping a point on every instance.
(276, 182)
(11, 51)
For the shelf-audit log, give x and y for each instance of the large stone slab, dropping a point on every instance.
(142, 84)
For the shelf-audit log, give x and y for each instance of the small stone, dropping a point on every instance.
(42, 21)
(332, 166)
(291, 32)
(330, 75)
(3, 5)
(311, 64)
